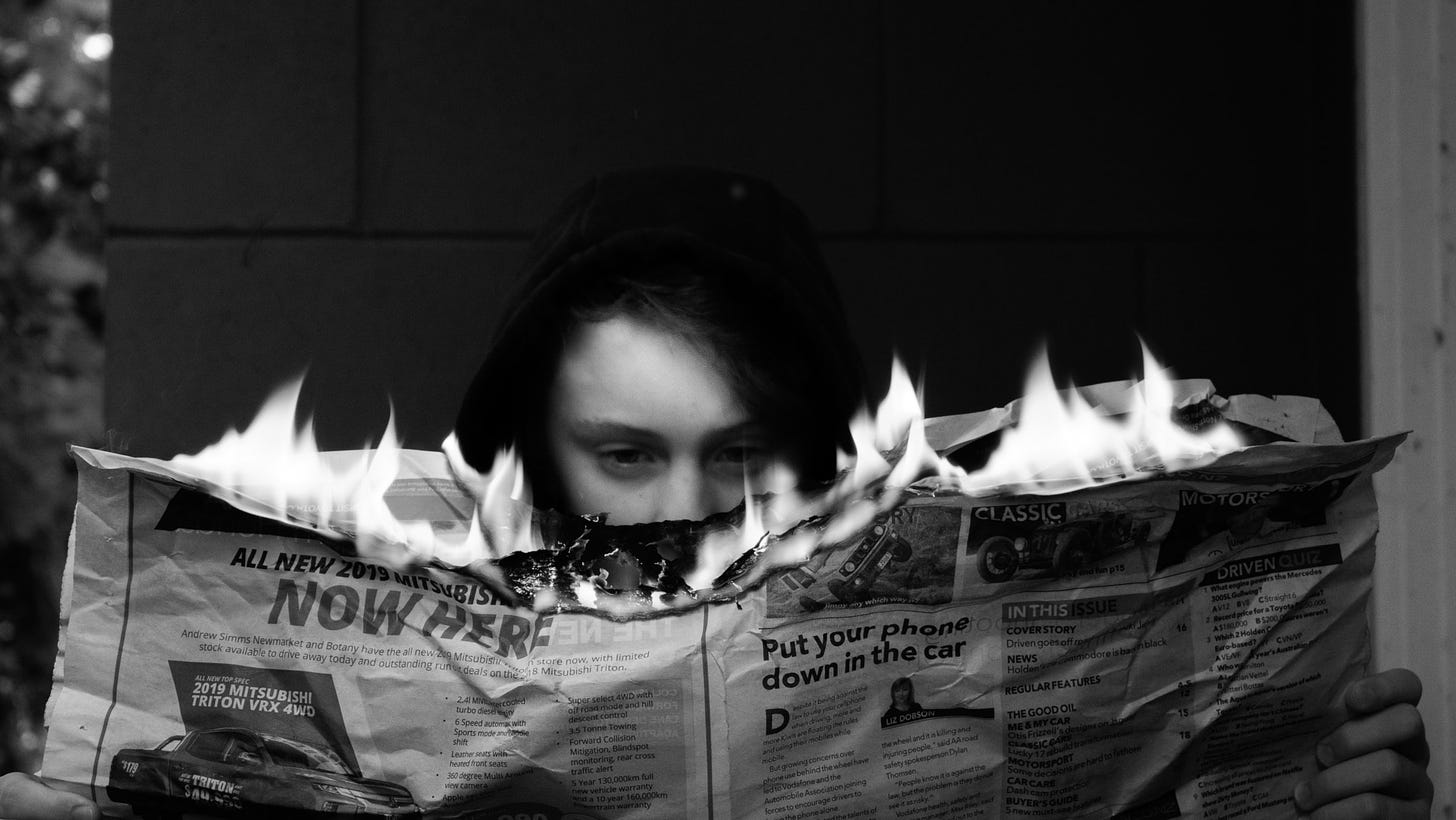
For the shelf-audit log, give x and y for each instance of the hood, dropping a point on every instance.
(728, 221)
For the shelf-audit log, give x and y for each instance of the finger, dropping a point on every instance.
(1384, 773)
(1398, 727)
(26, 797)
(1376, 692)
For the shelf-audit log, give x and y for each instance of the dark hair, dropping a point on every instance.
(719, 258)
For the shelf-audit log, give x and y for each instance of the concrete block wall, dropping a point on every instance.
(347, 185)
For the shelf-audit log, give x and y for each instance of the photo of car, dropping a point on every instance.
(238, 772)
(857, 573)
(1224, 522)
(1064, 547)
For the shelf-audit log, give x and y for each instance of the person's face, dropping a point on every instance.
(901, 696)
(642, 425)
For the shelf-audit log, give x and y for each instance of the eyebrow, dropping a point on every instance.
(604, 428)
(593, 428)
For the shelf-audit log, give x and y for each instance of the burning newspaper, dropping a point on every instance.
(960, 645)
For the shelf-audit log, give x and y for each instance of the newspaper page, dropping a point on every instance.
(1171, 647)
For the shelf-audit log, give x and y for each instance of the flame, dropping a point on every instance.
(501, 523)
(275, 470)
(1059, 442)
(273, 465)
(893, 427)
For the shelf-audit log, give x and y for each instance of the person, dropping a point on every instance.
(676, 336)
(677, 329)
(902, 698)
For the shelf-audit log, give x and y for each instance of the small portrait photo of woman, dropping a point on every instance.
(902, 698)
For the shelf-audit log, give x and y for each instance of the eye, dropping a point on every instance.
(741, 458)
(626, 461)
(735, 455)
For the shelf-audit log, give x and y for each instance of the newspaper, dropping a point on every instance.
(1171, 647)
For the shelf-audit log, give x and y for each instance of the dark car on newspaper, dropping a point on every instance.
(1064, 547)
(240, 772)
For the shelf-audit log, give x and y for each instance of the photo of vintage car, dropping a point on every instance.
(1063, 547)
(239, 772)
(857, 573)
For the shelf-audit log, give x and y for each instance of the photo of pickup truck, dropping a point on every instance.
(239, 772)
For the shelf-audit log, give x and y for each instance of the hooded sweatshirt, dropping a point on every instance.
(733, 224)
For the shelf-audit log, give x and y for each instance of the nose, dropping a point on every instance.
(689, 492)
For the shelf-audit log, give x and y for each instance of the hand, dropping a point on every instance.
(26, 797)
(1374, 764)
